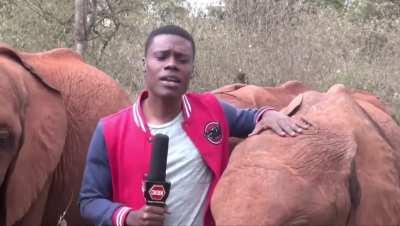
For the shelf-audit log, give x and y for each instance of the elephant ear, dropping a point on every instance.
(44, 135)
(293, 106)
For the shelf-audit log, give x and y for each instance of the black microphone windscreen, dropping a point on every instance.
(159, 155)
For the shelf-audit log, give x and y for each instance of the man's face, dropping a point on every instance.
(169, 65)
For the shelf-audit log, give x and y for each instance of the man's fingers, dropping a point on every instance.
(153, 214)
(293, 123)
(155, 209)
(300, 125)
(167, 211)
(257, 129)
(286, 126)
(278, 130)
(153, 223)
(152, 217)
(147, 215)
(283, 126)
(296, 128)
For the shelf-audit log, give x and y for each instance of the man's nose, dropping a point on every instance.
(171, 64)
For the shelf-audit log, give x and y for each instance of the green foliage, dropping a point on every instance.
(262, 15)
(263, 42)
(336, 4)
(378, 9)
(36, 25)
(217, 12)
(167, 10)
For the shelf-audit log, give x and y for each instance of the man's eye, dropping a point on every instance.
(162, 57)
(183, 60)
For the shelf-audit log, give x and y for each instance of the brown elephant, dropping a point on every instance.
(245, 96)
(344, 170)
(50, 104)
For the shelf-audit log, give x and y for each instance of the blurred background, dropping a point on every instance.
(261, 42)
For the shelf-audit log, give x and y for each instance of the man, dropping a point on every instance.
(198, 126)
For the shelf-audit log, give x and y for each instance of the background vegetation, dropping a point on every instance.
(263, 42)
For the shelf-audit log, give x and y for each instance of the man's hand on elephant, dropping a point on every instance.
(280, 123)
(147, 215)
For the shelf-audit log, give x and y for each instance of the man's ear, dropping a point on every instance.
(192, 72)
(144, 64)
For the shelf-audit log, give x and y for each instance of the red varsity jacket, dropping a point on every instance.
(128, 142)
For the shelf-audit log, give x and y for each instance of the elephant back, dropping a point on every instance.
(85, 89)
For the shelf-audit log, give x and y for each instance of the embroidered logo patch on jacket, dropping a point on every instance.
(213, 133)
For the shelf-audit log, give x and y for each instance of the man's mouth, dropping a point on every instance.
(170, 78)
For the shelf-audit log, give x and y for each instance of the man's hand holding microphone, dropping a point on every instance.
(147, 215)
(156, 188)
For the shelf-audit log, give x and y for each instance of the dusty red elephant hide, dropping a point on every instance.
(345, 170)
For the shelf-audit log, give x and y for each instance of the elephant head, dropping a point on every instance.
(33, 129)
(50, 105)
(344, 170)
(246, 96)
(251, 96)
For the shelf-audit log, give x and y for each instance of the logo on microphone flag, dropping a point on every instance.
(157, 192)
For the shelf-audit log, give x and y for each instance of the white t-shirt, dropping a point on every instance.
(188, 174)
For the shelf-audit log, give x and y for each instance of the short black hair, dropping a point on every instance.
(170, 30)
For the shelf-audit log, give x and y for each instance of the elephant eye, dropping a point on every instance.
(5, 139)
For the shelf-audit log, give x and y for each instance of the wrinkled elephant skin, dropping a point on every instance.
(344, 170)
(50, 104)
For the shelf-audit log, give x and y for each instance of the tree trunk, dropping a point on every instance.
(92, 14)
(80, 28)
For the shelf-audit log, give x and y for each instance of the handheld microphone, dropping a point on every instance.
(156, 188)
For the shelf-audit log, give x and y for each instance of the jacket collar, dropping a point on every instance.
(138, 116)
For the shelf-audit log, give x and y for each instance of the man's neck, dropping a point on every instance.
(159, 111)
